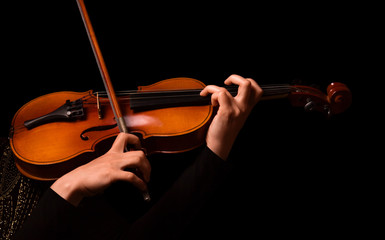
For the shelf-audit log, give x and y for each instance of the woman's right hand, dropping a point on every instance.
(94, 177)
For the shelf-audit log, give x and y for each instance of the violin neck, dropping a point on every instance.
(149, 100)
(276, 91)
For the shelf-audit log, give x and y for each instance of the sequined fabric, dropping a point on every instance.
(18, 194)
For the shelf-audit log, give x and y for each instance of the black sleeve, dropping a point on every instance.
(49, 220)
(55, 218)
(170, 216)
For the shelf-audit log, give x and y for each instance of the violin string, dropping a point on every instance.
(175, 96)
(149, 94)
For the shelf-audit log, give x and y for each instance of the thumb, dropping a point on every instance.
(122, 140)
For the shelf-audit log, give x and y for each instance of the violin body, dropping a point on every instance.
(49, 150)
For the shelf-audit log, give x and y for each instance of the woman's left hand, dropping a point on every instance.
(232, 112)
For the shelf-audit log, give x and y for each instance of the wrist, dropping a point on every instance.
(220, 148)
(68, 189)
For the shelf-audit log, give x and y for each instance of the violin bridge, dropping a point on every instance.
(100, 115)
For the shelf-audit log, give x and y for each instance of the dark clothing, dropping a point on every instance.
(168, 218)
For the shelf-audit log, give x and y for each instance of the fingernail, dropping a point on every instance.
(146, 196)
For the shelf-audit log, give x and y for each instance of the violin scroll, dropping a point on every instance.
(337, 100)
(339, 96)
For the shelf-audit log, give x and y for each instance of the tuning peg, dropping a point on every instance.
(328, 111)
(309, 106)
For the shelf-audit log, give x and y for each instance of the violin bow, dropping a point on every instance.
(105, 76)
(102, 67)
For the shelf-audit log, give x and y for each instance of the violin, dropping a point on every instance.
(58, 132)
(55, 133)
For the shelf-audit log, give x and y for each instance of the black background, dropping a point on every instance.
(294, 170)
